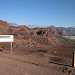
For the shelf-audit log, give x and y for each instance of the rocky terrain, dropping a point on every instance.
(40, 51)
(70, 30)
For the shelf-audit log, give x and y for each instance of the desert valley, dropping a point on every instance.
(36, 51)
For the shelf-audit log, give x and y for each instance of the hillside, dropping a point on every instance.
(36, 50)
(69, 30)
(19, 65)
(38, 36)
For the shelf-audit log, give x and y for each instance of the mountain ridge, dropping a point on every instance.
(70, 30)
(44, 36)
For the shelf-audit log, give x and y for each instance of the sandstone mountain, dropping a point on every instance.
(69, 30)
(36, 50)
(24, 35)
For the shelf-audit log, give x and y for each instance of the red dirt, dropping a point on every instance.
(36, 52)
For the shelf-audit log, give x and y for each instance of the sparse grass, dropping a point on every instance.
(65, 39)
(23, 43)
(2, 47)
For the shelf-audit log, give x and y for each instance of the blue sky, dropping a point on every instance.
(38, 12)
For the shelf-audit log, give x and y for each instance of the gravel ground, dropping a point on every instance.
(19, 65)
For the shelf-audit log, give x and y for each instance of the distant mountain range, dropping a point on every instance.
(70, 30)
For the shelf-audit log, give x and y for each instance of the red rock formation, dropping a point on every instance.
(40, 35)
(62, 32)
(3, 23)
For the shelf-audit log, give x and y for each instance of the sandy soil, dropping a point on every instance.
(16, 65)
(26, 63)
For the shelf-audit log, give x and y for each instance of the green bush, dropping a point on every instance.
(17, 45)
(2, 47)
